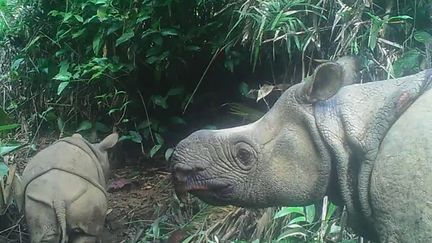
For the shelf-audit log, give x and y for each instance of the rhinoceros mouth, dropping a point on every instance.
(213, 188)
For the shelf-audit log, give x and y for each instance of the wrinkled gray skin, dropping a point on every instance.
(366, 146)
(64, 190)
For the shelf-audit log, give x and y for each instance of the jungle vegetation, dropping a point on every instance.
(155, 70)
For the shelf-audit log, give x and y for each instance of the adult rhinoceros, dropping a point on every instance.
(367, 146)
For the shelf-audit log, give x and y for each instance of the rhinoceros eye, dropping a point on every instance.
(245, 154)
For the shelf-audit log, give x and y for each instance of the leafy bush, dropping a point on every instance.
(90, 64)
(85, 65)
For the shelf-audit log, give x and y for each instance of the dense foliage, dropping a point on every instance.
(146, 67)
(87, 65)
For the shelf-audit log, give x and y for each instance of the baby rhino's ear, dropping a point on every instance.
(108, 142)
(77, 135)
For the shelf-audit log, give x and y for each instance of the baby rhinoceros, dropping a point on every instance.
(64, 190)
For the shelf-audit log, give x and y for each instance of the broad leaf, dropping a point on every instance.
(154, 150)
(5, 149)
(8, 127)
(175, 91)
(168, 153)
(178, 120)
(15, 65)
(159, 138)
(63, 74)
(288, 210)
(125, 37)
(410, 61)
(169, 32)
(264, 91)
(135, 136)
(423, 37)
(84, 126)
(159, 101)
(310, 213)
(61, 87)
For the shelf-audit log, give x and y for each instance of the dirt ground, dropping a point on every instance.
(136, 195)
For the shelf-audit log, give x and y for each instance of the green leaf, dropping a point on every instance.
(4, 170)
(159, 138)
(175, 91)
(288, 210)
(169, 32)
(111, 111)
(376, 25)
(400, 17)
(63, 77)
(423, 37)
(113, 28)
(159, 101)
(8, 127)
(125, 37)
(99, 1)
(310, 213)
(84, 126)
(31, 43)
(264, 90)
(97, 42)
(63, 74)
(192, 48)
(102, 13)
(297, 220)
(15, 65)
(154, 150)
(66, 17)
(297, 231)
(330, 211)
(132, 136)
(410, 61)
(168, 153)
(135, 137)
(61, 87)
(79, 18)
(78, 33)
(5, 149)
(177, 120)
(244, 89)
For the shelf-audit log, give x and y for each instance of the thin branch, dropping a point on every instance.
(202, 78)
(148, 118)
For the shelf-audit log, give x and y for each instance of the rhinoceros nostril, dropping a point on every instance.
(182, 172)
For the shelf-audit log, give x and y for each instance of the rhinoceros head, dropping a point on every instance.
(100, 149)
(278, 160)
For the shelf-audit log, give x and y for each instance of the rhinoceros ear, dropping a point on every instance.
(77, 135)
(324, 83)
(108, 142)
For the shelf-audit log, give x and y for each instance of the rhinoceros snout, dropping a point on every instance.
(181, 172)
